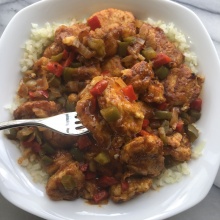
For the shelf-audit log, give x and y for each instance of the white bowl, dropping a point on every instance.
(17, 186)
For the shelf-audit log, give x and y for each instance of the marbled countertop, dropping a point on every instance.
(209, 13)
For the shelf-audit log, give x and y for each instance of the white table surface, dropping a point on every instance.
(209, 13)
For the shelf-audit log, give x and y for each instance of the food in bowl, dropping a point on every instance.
(132, 89)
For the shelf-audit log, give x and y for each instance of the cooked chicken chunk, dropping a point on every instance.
(113, 66)
(131, 115)
(60, 158)
(67, 183)
(53, 49)
(135, 186)
(113, 19)
(139, 76)
(91, 119)
(156, 38)
(144, 155)
(35, 109)
(154, 93)
(182, 86)
(179, 147)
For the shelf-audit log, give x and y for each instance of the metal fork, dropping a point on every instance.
(66, 123)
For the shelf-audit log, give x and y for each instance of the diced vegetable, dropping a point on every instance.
(145, 123)
(94, 23)
(160, 60)
(122, 48)
(55, 68)
(68, 72)
(58, 57)
(196, 104)
(162, 72)
(101, 195)
(192, 132)
(99, 87)
(102, 158)
(162, 134)
(129, 93)
(163, 115)
(162, 106)
(69, 60)
(77, 154)
(195, 115)
(179, 126)
(110, 114)
(98, 46)
(90, 175)
(48, 149)
(68, 182)
(106, 181)
(149, 53)
(83, 142)
(46, 160)
(130, 39)
(38, 94)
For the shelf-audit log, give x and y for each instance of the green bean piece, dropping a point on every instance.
(130, 39)
(57, 58)
(54, 81)
(195, 115)
(122, 48)
(102, 158)
(76, 64)
(68, 182)
(70, 106)
(192, 132)
(166, 115)
(110, 114)
(68, 73)
(12, 134)
(77, 154)
(162, 72)
(149, 53)
(48, 149)
(46, 160)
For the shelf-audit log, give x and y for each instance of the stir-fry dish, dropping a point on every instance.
(130, 87)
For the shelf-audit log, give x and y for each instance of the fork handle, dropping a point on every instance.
(20, 123)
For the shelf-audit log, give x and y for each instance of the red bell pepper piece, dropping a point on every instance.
(33, 144)
(83, 142)
(39, 93)
(124, 185)
(94, 23)
(90, 175)
(84, 167)
(143, 133)
(69, 60)
(179, 126)
(55, 68)
(160, 60)
(99, 196)
(145, 123)
(196, 104)
(65, 54)
(106, 181)
(129, 93)
(162, 106)
(99, 87)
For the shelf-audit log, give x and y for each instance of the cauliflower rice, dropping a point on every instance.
(40, 37)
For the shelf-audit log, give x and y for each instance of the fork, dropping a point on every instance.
(66, 123)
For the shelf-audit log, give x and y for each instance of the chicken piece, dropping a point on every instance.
(78, 30)
(91, 119)
(131, 115)
(154, 93)
(67, 183)
(139, 76)
(57, 140)
(35, 109)
(179, 147)
(182, 86)
(148, 110)
(113, 66)
(86, 72)
(135, 187)
(156, 38)
(40, 66)
(60, 158)
(144, 155)
(90, 189)
(53, 49)
(115, 19)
